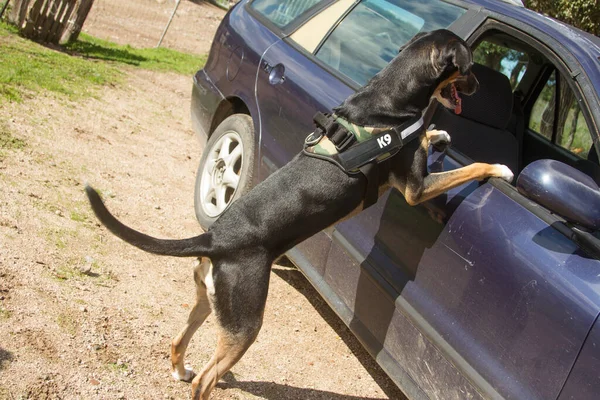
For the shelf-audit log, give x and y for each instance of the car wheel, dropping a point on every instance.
(226, 167)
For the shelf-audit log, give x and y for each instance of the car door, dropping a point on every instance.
(476, 293)
(290, 88)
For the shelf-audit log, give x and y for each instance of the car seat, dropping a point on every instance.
(480, 131)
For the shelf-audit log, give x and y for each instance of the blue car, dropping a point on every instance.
(491, 290)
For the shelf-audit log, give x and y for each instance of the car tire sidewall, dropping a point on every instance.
(243, 126)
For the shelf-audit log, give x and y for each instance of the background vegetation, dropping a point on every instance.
(78, 68)
(583, 14)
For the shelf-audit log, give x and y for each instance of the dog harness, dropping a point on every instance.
(359, 149)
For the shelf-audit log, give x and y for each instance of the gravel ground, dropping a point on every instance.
(85, 316)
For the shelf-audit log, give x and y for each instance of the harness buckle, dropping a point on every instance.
(345, 142)
(314, 138)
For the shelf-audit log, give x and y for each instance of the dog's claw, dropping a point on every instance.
(504, 173)
(189, 374)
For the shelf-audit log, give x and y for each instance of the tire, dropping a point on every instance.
(226, 168)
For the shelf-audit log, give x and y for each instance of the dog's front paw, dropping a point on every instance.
(503, 172)
(187, 377)
(439, 139)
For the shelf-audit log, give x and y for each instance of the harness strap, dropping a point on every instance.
(357, 149)
(371, 172)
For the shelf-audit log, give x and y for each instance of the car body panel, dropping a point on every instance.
(507, 295)
(287, 108)
(583, 382)
(486, 299)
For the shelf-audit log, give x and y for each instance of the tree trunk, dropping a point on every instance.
(75, 23)
(573, 131)
(565, 102)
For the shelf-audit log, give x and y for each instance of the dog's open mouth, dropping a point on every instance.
(451, 93)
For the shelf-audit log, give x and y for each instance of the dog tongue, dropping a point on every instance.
(458, 108)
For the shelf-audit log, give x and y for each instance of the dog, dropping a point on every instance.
(309, 194)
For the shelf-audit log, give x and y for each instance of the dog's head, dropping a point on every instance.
(448, 59)
(451, 60)
(432, 64)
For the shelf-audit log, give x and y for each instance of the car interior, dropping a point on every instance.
(514, 121)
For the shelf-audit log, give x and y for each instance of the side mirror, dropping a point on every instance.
(563, 190)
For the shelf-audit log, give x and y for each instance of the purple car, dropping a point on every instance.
(491, 290)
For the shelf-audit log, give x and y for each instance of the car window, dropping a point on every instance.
(373, 32)
(512, 63)
(282, 12)
(567, 127)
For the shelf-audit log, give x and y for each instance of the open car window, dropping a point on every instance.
(511, 62)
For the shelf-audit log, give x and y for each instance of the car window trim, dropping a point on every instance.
(290, 28)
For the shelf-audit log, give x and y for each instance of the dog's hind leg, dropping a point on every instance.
(198, 315)
(230, 349)
(241, 288)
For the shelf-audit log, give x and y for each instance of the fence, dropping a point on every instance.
(49, 20)
(141, 23)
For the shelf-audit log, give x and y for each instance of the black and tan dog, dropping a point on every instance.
(308, 195)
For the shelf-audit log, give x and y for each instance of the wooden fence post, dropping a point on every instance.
(17, 15)
(75, 23)
(48, 20)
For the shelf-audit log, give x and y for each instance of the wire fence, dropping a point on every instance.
(141, 23)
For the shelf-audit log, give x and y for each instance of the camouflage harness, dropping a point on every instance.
(358, 149)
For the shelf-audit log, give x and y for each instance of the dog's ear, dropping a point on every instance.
(455, 55)
(414, 39)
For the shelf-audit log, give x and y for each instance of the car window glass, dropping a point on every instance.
(542, 117)
(373, 32)
(282, 12)
(510, 62)
(567, 128)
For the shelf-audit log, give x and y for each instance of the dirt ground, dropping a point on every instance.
(140, 23)
(85, 316)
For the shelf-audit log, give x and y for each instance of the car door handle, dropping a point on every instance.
(276, 72)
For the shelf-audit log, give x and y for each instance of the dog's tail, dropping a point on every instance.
(198, 246)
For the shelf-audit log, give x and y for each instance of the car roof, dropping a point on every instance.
(584, 46)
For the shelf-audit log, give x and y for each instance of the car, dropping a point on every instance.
(491, 290)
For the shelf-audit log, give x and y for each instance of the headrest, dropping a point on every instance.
(492, 104)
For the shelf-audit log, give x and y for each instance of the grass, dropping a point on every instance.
(156, 59)
(4, 313)
(77, 69)
(8, 141)
(27, 68)
(118, 367)
(68, 323)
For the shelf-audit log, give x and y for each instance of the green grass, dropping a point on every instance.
(4, 313)
(77, 69)
(67, 323)
(27, 68)
(156, 59)
(8, 141)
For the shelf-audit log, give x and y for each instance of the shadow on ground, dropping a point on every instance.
(276, 391)
(5, 358)
(297, 280)
(103, 52)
